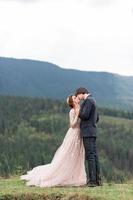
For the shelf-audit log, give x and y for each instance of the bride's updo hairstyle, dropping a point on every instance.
(70, 101)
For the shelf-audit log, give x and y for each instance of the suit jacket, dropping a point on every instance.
(89, 117)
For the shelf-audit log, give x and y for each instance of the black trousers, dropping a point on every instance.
(93, 171)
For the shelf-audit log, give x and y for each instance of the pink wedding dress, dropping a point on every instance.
(67, 167)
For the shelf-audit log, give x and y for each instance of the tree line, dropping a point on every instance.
(31, 130)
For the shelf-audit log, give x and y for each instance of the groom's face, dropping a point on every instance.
(80, 96)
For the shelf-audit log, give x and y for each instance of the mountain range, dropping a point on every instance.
(23, 77)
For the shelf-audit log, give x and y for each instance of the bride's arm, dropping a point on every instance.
(73, 117)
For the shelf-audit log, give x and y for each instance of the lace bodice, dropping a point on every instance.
(74, 119)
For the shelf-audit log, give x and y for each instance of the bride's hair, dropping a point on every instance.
(70, 101)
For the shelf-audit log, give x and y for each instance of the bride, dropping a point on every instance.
(67, 167)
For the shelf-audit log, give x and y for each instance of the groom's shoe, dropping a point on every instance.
(99, 183)
(91, 184)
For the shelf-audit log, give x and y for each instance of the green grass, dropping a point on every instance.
(15, 189)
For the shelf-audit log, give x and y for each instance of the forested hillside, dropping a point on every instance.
(22, 77)
(31, 129)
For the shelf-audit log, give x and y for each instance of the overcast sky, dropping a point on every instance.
(81, 34)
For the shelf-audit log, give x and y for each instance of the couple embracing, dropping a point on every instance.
(68, 164)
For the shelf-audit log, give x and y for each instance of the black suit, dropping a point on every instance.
(89, 117)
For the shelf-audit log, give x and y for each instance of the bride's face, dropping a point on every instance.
(75, 100)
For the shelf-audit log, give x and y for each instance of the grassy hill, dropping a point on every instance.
(42, 79)
(15, 189)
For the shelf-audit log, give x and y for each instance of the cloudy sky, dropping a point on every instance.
(81, 34)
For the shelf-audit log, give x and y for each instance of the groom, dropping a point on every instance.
(89, 117)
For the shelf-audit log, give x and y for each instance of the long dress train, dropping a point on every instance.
(67, 167)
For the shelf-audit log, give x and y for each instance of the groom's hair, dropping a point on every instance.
(81, 90)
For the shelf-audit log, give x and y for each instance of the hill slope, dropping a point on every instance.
(42, 79)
